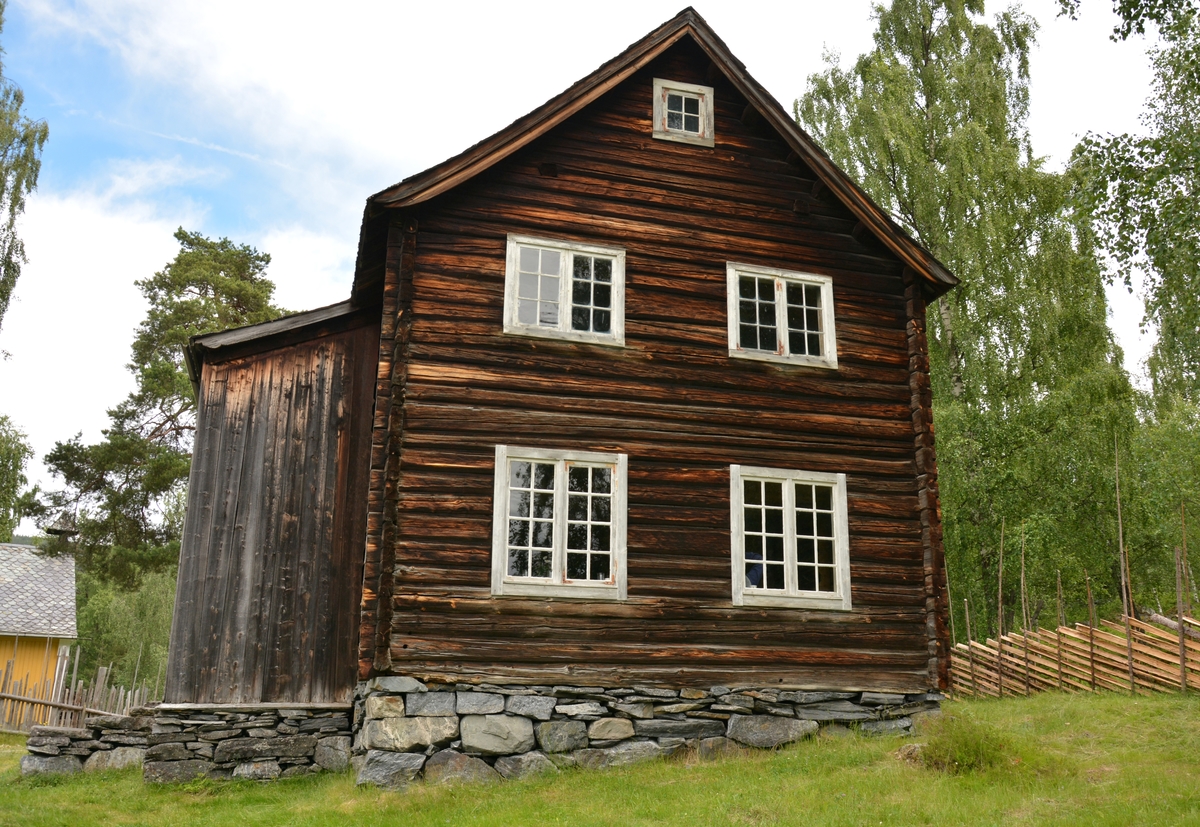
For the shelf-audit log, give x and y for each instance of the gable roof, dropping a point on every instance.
(37, 593)
(466, 165)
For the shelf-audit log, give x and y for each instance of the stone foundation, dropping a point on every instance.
(405, 729)
(180, 744)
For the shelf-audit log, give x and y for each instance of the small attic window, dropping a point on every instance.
(683, 112)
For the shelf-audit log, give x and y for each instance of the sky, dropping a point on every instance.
(270, 123)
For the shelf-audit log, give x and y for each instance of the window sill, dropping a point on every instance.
(683, 138)
(784, 601)
(564, 336)
(799, 361)
(514, 589)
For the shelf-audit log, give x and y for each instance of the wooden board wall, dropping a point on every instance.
(271, 562)
(672, 399)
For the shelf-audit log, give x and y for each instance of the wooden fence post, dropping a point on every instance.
(971, 648)
(1179, 617)
(1024, 612)
(1000, 617)
(1091, 628)
(1062, 621)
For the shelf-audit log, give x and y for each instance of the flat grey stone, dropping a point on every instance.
(627, 752)
(390, 770)
(393, 683)
(718, 691)
(478, 703)
(586, 708)
(265, 770)
(656, 693)
(132, 740)
(710, 748)
(175, 772)
(50, 764)
(384, 706)
(642, 710)
(562, 736)
(71, 733)
(113, 722)
(248, 749)
(405, 734)
(170, 751)
(529, 763)
(450, 767)
(814, 697)
(896, 725)
(689, 728)
(768, 731)
(496, 734)
(47, 741)
(691, 706)
(333, 753)
(430, 704)
(325, 724)
(531, 706)
(880, 699)
(610, 729)
(783, 710)
(298, 770)
(692, 694)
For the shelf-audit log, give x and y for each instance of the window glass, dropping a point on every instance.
(564, 290)
(778, 315)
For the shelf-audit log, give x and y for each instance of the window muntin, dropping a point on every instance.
(683, 112)
(782, 316)
(790, 544)
(564, 290)
(559, 523)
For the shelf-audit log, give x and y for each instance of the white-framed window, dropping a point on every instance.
(683, 112)
(564, 290)
(790, 540)
(559, 523)
(781, 316)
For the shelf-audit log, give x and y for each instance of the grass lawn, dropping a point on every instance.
(1054, 759)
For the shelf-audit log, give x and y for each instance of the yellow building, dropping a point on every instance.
(37, 618)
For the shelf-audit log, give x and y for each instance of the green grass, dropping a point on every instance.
(1050, 759)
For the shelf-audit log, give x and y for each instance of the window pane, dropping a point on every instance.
(804, 494)
(527, 312)
(674, 120)
(804, 523)
(549, 289)
(600, 566)
(527, 286)
(814, 344)
(775, 548)
(824, 551)
(577, 566)
(581, 292)
(529, 259)
(579, 319)
(582, 268)
(804, 550)
(518, 533)
(752, 492)
(691, 123)
(518, 563)
(674, 102)
(754, 519)
(543, 506)
(602, 269)
(824, 525)
(806, 579)
(602, 295)
(577, 536)
(812, 295)
(577, 478)
(826, 581)
(753, 547)
(518, 503)
(747, 288)
(602, 321)
(519, 474)
(551, 261)
(754, 575)
(774, 577)
(775, 520)
(774, 491)
(543, 535)
(602, 480)
(600, 509)
(824, 497)
(747, 312)
(548, 315)
(543, 476)
(748, 337)
(691, 106)
(600, 538)
(766, 290)
(540, 563)
(577, 507)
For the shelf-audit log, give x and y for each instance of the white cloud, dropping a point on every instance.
(309, 269)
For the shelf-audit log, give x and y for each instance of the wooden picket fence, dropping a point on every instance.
(66, 699)
(1081, 658)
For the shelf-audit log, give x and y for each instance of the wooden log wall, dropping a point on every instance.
(672, 399)
(271, 564)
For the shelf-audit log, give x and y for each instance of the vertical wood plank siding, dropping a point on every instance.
(672, 399)
(271, 564)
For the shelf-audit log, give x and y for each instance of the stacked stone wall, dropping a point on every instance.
(405, 729)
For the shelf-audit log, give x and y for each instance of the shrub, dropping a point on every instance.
(959, 745)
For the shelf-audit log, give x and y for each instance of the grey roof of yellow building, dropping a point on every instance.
(37, 593)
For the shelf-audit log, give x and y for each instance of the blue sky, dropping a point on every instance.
(271, 123)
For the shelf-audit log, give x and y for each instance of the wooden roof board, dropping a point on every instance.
(464, 166)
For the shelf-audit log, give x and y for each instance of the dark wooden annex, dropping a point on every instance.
(271, 562)
(342, 500)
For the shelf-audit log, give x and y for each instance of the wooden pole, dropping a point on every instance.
(1091, 628)
(1123, 560)
(1000, 616)
(1062, 621)
(950, 606)
(1187, 571)
(1179, 617)
(1024, 612)
(971, 647)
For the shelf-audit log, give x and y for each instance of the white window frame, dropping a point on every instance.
(704, 93)
(790, 597)
(783, 351)
(563, 331)
(557, 585)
